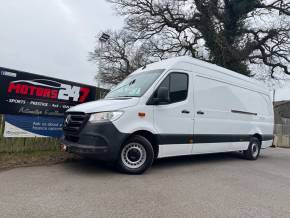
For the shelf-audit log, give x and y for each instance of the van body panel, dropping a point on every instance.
(171, 150)
(134, 122)
(205, 148)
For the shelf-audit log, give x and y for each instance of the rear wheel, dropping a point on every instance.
(136, 155)
(253, 151)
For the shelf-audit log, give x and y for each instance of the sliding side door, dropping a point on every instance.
(217, 128)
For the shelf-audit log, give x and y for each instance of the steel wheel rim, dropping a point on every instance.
(255, 149)
(127, 155)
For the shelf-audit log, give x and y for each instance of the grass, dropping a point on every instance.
(28, 144)
(33, 158)
(17, 152)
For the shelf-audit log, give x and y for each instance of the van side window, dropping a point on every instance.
(177, 84)
(178, 87)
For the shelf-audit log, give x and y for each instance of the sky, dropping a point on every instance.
(53, 37)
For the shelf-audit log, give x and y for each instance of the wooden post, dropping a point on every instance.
(2, 125)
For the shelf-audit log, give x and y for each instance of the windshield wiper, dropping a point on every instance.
(124, 97)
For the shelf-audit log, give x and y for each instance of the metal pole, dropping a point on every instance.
(100, 67)
(104, 37)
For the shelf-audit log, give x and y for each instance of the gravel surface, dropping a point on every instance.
(222, 185)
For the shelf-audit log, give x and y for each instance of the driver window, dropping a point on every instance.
(177, 84)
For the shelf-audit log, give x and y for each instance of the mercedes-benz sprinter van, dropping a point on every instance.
(179, 106)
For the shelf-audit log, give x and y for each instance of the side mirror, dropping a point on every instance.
(163, 95)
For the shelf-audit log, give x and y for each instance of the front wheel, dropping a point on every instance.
(136, 155)
(253, 151)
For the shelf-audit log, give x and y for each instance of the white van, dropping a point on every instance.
(179, 106)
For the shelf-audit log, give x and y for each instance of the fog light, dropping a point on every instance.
(63, 147)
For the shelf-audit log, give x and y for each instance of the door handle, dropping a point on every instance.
(200, 112)
(185, 111)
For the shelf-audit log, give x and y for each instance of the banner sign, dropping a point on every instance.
(30, 94)
(23, 126)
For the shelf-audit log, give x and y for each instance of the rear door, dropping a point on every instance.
(174, 121)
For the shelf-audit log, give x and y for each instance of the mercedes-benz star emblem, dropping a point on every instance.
(67, 120)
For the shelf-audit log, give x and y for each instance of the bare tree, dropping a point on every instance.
(120, 56)
(229, 33)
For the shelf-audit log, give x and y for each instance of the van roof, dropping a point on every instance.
(175, 62)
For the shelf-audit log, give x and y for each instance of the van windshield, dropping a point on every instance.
(134, 85)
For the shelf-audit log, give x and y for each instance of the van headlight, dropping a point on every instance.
(105, 116)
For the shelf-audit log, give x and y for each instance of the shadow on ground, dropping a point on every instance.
(84, 165)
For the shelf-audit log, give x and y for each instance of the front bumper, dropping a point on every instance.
(99, 140)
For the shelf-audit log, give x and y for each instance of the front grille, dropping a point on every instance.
(74, 122)
(72, 138)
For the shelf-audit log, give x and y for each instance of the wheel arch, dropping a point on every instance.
(152, 138)
(259, 137)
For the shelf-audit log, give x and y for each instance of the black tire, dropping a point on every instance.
(254, 148)
(136, 155)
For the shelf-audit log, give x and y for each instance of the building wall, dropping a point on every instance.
(282, 124)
